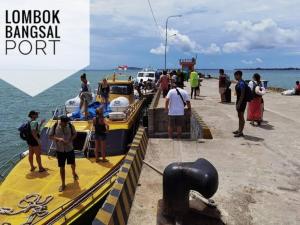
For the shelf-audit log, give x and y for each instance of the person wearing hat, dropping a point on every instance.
(63, 133)
(33, 141)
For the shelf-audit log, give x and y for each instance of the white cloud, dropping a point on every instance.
(251, 62)
(259, 60)
(184, 43)
(212, 49)
(264, 34)
(160, 50)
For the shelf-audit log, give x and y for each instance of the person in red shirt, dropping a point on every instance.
(297, 88)
(164, 83)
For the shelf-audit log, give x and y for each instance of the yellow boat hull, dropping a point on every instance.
(22, 182)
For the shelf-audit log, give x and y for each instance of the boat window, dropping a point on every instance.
(121, 89)
(140, 74)
(149, 74)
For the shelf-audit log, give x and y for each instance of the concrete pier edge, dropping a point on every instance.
(117, 205)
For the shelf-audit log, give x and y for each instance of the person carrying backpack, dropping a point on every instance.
(256, 106)
(243, 95)
(30, 132)
(63, 133)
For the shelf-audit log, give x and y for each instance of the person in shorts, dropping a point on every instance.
(241, 102)
(104, 91)
(63, 133)
(175, 103)
(101, 129)
(33, 141)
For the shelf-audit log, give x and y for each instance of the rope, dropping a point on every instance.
(31, 202)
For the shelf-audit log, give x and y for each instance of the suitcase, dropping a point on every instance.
(228, 95)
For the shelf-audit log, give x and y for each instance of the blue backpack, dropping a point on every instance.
(25, 131)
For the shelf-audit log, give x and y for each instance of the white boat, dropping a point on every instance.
(146, 74)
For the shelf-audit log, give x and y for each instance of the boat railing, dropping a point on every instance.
(59, 111)
(131, 110)
(10, 164)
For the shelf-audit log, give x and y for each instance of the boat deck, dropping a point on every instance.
(22, 182)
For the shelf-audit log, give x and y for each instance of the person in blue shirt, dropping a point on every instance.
(241, 102)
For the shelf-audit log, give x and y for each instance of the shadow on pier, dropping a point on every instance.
(200, 213)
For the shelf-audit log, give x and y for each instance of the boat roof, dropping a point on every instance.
(119, 79)
(22, 182)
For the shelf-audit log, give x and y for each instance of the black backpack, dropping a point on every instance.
(25, 131)
(55, 125)
(248, 93)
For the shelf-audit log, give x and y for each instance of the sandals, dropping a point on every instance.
(42, 170)
(239, 135)
(236, 132)
(75, 177)
(62, 188)
(104, 160)
(32, 169)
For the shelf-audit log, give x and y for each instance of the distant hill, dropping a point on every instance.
(134, 68)
(288, 68)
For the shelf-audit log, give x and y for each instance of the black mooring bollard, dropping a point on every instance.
(180, 178)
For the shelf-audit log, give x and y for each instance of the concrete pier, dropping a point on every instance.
(259, 175)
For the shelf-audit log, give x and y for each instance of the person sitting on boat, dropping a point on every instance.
(101, 128)
(33, 141)
(85, 94)
(256, 105)
(63, 133)
(297, 88)
(104, 91)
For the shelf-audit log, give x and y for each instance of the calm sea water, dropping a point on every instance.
(15, 105)
(277, 78)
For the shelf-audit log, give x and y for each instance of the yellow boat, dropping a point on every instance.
(42, 203)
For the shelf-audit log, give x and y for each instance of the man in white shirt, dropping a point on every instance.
(176, 100)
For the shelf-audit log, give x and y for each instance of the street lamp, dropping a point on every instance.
(166, 40)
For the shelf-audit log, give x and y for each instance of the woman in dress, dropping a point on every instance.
(256, 106)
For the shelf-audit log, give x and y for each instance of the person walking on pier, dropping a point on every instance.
(176, 101)
(63, 133)
(194, 81)
(241, 102)
(164, 83)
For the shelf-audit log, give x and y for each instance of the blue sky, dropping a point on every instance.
(228, 34)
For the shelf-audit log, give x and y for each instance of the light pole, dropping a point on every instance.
(166, 40)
